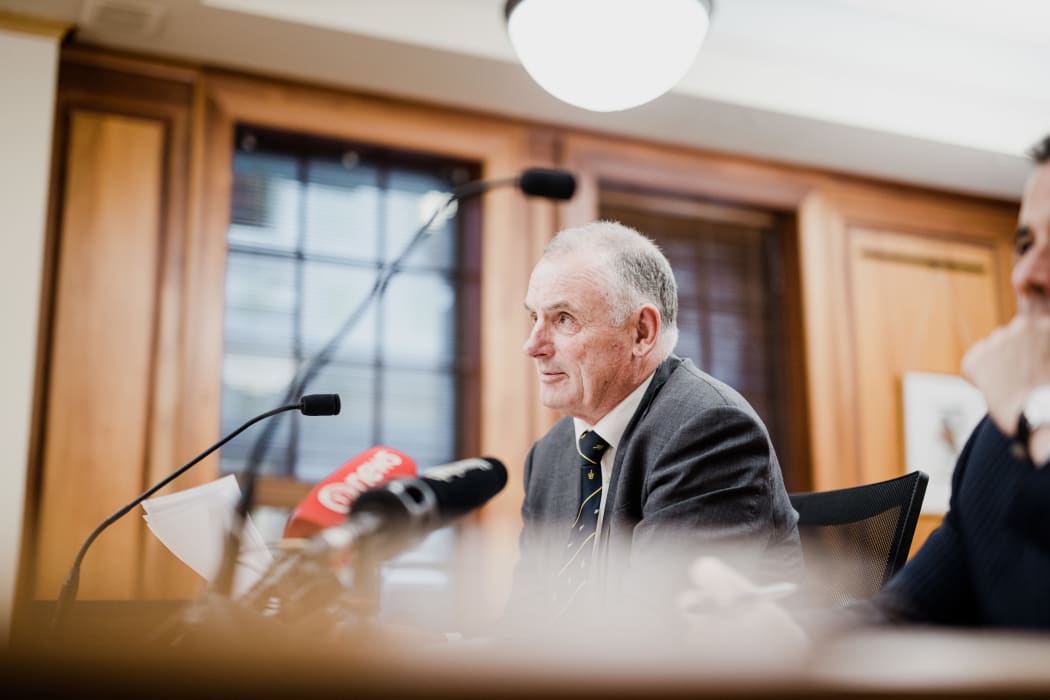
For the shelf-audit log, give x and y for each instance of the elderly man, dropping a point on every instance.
(653, 456)
(988, 564)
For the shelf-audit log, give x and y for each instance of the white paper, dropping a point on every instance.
(193, 525)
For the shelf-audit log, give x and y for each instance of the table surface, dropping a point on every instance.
(225, 649)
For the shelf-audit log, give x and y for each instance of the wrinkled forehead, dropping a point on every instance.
(570, 280)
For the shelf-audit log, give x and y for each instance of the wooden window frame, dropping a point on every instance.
(512, 229)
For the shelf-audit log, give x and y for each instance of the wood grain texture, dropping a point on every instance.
(872, 316)
(97, 416)
(101, 85)
(830, 358)
(918, 304)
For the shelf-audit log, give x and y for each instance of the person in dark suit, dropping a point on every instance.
(682, 464)
(988, 564)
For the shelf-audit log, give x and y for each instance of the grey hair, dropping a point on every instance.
(1041, 151)
(637, 270)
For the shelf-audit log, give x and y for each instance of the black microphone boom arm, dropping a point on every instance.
(315, 404)
(541, 182)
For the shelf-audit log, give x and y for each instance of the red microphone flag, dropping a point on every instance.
(329, 502)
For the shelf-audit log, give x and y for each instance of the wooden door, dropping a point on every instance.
(118, 203)
(919, 303)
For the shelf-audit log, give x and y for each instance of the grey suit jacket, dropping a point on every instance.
(695, 473)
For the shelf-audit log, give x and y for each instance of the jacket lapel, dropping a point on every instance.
(660, 377)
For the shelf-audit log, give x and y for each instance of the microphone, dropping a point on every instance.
(329, 502)
(548, 183)
(383, 522)
(536, 182)
(426, 503)
(392, 517)
(310, 405)
(320, 405)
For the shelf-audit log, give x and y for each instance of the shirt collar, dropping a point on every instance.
(613, 424)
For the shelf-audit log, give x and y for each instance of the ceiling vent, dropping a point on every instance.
(129, 18)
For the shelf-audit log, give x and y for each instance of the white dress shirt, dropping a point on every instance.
(611, 428)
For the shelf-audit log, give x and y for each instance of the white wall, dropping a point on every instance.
(28, 77)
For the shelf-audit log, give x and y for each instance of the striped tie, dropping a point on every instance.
(573, 574)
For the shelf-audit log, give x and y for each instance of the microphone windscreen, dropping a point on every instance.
(329, 501)
(460, 487)
(320, 405)
(545, 182)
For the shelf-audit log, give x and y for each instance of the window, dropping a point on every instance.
(312, 223)
(731, 286)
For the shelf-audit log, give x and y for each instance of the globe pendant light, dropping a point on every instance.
(607, 55)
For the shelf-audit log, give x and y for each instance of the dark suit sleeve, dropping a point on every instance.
(711, 476)
(1030, 510)
(935, 585)
(527, 594)
(711, 490)
(987, 563)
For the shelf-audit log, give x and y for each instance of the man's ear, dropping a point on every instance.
(646, 330)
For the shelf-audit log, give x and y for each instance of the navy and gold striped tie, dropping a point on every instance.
(573, 574)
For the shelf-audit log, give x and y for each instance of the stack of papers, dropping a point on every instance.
(193, 525)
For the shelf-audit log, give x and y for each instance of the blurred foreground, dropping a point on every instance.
(690, 627)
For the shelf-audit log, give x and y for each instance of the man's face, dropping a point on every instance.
(1031, 276)
(582, 360)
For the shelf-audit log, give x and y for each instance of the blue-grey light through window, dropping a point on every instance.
(311, 225)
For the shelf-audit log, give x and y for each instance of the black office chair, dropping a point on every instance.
(855, 539)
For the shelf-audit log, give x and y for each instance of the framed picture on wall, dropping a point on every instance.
(940, 412)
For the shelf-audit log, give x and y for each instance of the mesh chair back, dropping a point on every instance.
(856, 539)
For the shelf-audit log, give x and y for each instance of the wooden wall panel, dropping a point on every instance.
(839, 368)
(99, 389)
(867, 322)
(168, 310)
(115, 91)
(918, 304)
(829, 356)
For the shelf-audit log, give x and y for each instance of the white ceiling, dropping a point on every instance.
(948, 93)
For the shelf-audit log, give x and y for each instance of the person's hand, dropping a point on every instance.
(1008, 364)
(730, 615)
